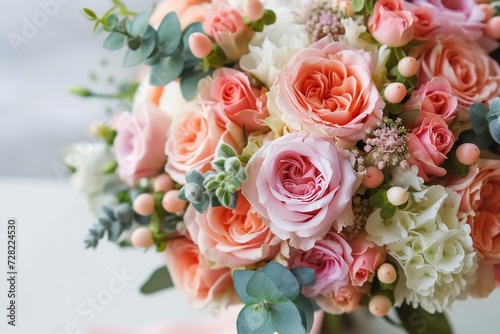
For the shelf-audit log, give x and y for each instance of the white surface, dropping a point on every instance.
(57, 275)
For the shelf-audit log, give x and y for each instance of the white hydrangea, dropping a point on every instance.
(432, 246)
(271, 49)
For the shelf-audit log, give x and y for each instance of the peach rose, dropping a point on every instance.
(423, 24)
(485, 282)
(192, 275)
(327, 89)
(140, 141)
(344, 300)
(238, 99)
(433, 98)
(496, 270)
(231, 238)
(367, 258)
(390, 24)
(428, 145)
(188, 11)
(193, 139)
(226, 26)
(474, 76)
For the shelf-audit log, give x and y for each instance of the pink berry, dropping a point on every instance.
(488, 11)
(373, 177)
(253, 10)
(386, 273)
(142, 238)
(395, 92)
(468, 154)
(345, 7)
(408, 67)
(379, 305)
(144, 204)
(163, 183)
(171, 203)
(492, 28)
(200, 45)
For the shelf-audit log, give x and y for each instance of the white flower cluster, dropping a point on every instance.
(432, 246)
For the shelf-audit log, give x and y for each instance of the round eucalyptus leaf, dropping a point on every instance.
(114, 41)
(139, 25)
(495, 130)
(169, 33)
(135, 57)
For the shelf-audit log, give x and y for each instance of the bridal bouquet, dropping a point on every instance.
(307, 155)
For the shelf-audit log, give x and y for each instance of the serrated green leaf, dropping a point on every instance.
(418, 321)
(167, 70)
(358, 5)
(285, 318)
(189, 83)
(241, 279)
(225, 151)
(262, 287)
(218, 164)
(159, 280)
(169, 33)
(477, 116)
(283, 279)
(305, 276)
(114, 41)
(387, 211)
(195, 177)
(140, 24)
(135, 57)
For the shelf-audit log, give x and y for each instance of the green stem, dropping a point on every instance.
(331, 324)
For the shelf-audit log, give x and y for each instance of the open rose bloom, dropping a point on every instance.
(338, 152)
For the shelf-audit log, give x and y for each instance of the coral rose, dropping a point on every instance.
(367, 257)
(301, 185)
(327, 89)
(140, 142)
(345, 300)
(231, 238)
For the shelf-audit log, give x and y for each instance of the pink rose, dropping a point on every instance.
(140, 141)
(226, 26)
(428, 145)
(192, 275)
(367, 258)
(188, 11)
(301, 185)
(327, 89)
(466, 188)
(231, 238)
(473, 75)
(456, 17)
(390, 24)
(480, 198)
(433, 98)
(345, 300)
(238, 99)
(423, 23)
(331, 259)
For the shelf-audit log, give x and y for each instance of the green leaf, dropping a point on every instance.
(159, 280)
(369, 6)
(114, 41)
(195, 177)
(111, 22)
(110, 167)
(225, 151)
(494, 127)
(305, 276)
(283, 279)
(408, 117)
(387, 211)
(241, 279)
(418, 321)
(357, 5)
(262, 287)
(477, 116)
(135, 57)
(285, 318)
(140, 24)
(202, 207)
(167, 70)
(306, 310)
(189, 83)
(169, 33)
(248, 319)
(399, 53)
(90, 14)
(378, 199)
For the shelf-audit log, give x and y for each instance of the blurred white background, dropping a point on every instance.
(38, 117)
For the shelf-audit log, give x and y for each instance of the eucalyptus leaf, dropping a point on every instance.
(243, 327)
(305, 276)
(241, 279)
(306, 310)
(114, 41)
(255, 316)
(140, 24)
(283, 279)
(159, 280)
(495, 130)
(477, 116)
(166, 70)
(189, 83)
(135, 57)
(418, 321)
(262, 287)
(115, 231)
(285, 318)
(169, 33)
(111, 22)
